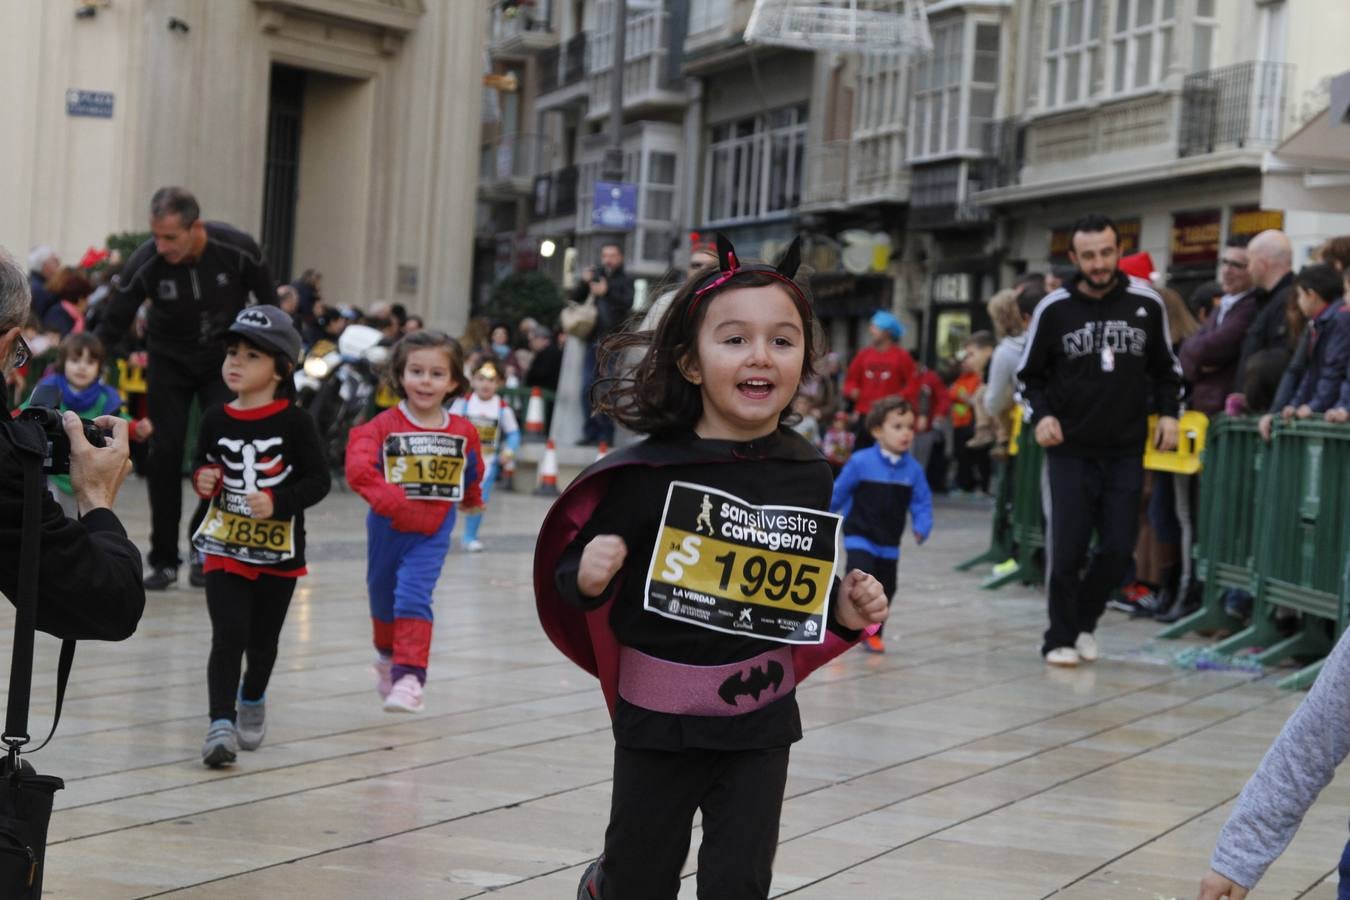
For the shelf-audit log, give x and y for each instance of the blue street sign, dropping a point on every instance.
(93, 104)
(615, 205)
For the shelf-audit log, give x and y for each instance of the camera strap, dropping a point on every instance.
(16, 736)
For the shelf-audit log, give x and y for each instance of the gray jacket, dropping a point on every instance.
(1297, 766)
(1002, 383)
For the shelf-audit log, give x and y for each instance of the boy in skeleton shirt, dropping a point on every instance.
(260, 462)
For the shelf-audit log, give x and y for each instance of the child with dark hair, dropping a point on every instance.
(1319, 293)
(79, 376)
(261, 464)
(695, 574)
(413, 463)
(972, 454)
(873, 492)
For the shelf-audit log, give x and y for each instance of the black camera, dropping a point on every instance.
(44, 407)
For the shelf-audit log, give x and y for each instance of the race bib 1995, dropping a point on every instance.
(229, 530)
(731, 566)
(428, 465)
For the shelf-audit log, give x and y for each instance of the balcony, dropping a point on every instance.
(1239, 106)
(941, 196)
(649, 83)
(507, 164)
(562, 73)
(856, 172)
(555, 195)
(516, 32)
(826, 184)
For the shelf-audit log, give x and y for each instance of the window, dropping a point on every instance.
(658, 192)
(1071, 45)
(881, 88)
(1142, 43)
(755, 166)
(955, 89)
(705, 15)
(1203, 28)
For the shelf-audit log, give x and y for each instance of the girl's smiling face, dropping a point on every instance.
(750, 352)
(426, 379)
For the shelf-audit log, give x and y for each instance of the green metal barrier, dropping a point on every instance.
(1302, 546)
(1026, 527)
(1000, 534)
(1227, 528)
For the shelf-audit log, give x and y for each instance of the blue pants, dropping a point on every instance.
(473, 522)
(1343, 888)
(402, 568)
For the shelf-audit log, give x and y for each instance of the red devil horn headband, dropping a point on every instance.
(729, 266)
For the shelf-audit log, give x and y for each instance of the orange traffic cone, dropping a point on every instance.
(534, 415)
(548, 472)
(604, 451)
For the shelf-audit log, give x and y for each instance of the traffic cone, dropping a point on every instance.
(534, 415)
(604, 451)
(548, 472)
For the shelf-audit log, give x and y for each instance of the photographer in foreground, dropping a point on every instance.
(89, 573)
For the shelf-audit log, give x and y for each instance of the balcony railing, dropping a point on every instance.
(878, 170)
(562, 67)
(1243, 105)
(826, 174)
(523, 28)
(1005, 148)
(511, 161)
(561, 199)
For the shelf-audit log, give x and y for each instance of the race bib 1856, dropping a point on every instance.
(731, 566)
(230, 530)
(428, 465)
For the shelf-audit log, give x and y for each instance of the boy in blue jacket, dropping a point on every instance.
(872, 492)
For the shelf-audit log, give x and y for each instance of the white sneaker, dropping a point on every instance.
(474, 546)
(1062, 656)
(405, 696)
(1086, 645)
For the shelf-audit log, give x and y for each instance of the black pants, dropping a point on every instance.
(1087, 497)
(246, 620)
(879, 567)
(972, 463)
(170, 386)
(652, 812)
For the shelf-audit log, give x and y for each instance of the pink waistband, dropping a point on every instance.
(684, 690)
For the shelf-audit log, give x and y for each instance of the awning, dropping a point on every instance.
(1311, 169)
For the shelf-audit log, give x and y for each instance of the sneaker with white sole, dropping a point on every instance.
(382, 667)
(161, 578)
(221, 745)
(474, 546)
(1062, 656)
(404, 696)
(1086, 645)
(251, 722)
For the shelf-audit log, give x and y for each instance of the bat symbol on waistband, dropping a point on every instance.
(752, 683)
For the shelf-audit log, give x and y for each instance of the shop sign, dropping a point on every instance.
(952, 288)
(89, 104)
(1249, 221)
(1195, 237)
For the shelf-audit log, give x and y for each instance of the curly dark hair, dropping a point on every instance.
(643, 387)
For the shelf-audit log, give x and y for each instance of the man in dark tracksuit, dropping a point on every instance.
(198, 276)
(1098, 361)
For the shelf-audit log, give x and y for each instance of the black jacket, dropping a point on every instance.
(89, 573)
(1100, 367)
(615, 306)
(1270, 328)
(191, 305)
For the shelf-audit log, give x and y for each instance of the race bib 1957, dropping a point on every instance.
(731, 566)
(428, 465)
(229, 530)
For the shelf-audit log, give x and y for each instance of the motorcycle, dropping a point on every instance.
(337, 382)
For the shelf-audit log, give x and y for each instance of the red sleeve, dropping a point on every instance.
(853, 379)
(942, 399)
(473, 452)
(365, 475)
(905, 370)
(201, 469)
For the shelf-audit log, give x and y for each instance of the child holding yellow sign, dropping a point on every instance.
(412, 463)
(696, 574)
(260, 463)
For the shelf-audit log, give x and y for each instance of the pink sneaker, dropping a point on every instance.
(404, 696)
(382, 666)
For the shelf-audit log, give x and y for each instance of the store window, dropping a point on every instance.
(1071, 48)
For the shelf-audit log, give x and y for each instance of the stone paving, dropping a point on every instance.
(955, 766)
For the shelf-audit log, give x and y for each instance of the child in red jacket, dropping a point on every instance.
(412, 463)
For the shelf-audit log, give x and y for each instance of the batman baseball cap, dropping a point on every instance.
(269, 328)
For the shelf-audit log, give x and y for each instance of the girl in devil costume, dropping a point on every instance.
(695, 575)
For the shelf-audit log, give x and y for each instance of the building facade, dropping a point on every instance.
(332, 130)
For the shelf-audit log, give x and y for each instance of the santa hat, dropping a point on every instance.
(1138, 265)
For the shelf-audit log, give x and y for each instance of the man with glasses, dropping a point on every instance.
(89, 574)
(1209, 358)
(197, 276)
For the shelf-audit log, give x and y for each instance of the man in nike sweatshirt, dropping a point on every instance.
(1098, 361)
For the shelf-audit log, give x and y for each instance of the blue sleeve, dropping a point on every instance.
(1327, 392)
(841, 500)
(921, 504)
